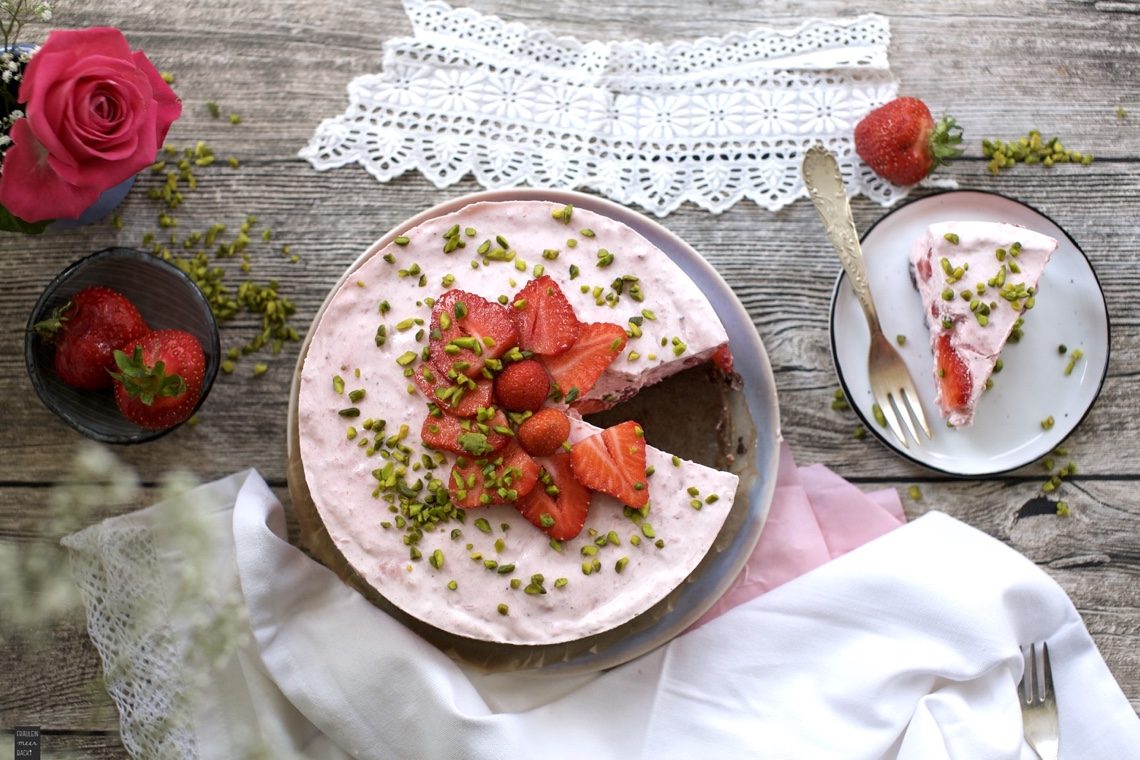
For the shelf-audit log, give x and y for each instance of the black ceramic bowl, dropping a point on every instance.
(166, 298)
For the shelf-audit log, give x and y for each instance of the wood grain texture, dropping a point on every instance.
(1001, 67)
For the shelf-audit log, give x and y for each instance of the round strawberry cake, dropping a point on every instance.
(440, 426)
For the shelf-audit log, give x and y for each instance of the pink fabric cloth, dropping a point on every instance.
(815, 517)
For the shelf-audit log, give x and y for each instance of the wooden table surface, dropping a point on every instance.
(1001, 67)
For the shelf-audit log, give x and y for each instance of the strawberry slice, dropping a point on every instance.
(722, 359)
(558, 504)
(952, 375)
(504, 478)
(465, 436)
(437, 389)
(576, 370)
(613, 462)
(545, 319)
(466, 331)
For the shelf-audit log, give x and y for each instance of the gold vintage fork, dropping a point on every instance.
(891, 383)
(1039, 704)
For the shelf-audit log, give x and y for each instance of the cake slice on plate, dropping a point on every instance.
(976, 280)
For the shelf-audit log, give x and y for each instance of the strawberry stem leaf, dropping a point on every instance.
(146, 383)
(944, 141)
(47, 328)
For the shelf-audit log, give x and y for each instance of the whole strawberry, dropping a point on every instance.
(901, 142)
(160, 378)
(86, 331)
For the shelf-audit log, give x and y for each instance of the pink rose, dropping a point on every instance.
(96, 113)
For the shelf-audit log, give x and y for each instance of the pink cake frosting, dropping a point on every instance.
(976, 280)
(493, 576)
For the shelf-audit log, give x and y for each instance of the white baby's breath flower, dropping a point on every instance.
(35, 587)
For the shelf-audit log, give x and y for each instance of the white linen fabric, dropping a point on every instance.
(710, 121)
(906, 648)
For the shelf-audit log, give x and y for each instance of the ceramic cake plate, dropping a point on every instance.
(747, 443)
(1036, 381)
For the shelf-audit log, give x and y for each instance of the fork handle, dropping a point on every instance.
(828, 194)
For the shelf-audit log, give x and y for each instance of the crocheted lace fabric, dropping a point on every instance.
(710, 121)
(116, 566)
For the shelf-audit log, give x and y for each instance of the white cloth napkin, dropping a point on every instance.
(906, 647)
(710, 121)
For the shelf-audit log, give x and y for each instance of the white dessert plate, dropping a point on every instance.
(753, 414)
(1032, 386)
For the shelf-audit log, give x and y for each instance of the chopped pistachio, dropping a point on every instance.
(880, 418)
(1074, 357)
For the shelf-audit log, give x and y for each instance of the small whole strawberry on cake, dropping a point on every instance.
(441, 434)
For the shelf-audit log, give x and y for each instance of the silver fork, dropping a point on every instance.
(1038, 703)
(891, 384)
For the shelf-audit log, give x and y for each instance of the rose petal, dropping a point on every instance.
(99, 110)
(169, 106)
(105, 120)
(30, 189)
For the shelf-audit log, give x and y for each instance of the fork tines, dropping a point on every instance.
(1034, 691)
(1039, 704)
(909, 409)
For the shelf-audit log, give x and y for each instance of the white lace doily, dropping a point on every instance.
(165, 614)
(709, 121)
(116, 566)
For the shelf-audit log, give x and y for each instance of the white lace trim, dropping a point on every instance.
(710, 121)
(119, 575)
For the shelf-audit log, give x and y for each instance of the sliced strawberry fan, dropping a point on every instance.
(546, 322)
(466, 331)
(446, 432)
(444, 393)
(613, 462)
(502, 479)
(558, 504)
(575, 371)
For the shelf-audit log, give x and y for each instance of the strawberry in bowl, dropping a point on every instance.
(96, 306)
(86, 330)
(158, 384)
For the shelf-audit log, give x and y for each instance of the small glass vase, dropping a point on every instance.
(106, 203)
